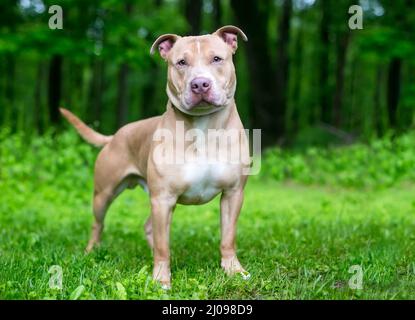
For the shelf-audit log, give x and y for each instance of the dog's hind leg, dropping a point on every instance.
(102, 201)
(103, 197)
(112, 175)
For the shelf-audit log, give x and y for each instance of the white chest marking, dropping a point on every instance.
(203, 176)
(203, 180)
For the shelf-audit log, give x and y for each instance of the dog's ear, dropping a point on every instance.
(164, 43)
(229, 34)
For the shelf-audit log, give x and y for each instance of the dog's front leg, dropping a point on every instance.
(230, 205)
(161, 211)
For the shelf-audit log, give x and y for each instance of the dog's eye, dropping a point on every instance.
(181, 62)
(217, 59)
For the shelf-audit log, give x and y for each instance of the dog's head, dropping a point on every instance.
(201, 75)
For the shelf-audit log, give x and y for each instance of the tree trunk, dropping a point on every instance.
(122, 99)
(55, 87)
(123, 73)
(149, 91)
(394, 87)
(96, 90)
(324, 89)
(10, 66)
(193, 13)
(377, 103)
(37, 116)
(283, 64)
(217, 14)
(148, 108)
(297, 114)
(342, 46)
(264, 112)
(2, 94)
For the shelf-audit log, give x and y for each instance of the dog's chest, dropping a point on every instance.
(203, 180)
(203, 176)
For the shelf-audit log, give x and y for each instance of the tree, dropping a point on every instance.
(97, 87)
(193, 13)
(152, 77)
(342, 40)
(394, 88)
(217, 14)
(38, 120)
(123, 73)
(283, 64)
(55, 88)
(9, 20)
(264, 112)
(324, 88)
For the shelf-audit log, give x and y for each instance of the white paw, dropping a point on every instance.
(166, 287)
(162, 275)
(245, 275)
(232, 267)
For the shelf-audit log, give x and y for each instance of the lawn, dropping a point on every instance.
(298, 241)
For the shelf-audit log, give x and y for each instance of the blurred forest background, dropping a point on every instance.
(304, 77)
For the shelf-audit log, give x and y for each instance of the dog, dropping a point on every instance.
(201, 84)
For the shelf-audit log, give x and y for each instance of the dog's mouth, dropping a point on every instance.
(202, 102)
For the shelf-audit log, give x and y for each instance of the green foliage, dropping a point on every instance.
(379, 163)
(101, 38)
(23, 160)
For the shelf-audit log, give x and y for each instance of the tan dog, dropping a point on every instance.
(201, 84)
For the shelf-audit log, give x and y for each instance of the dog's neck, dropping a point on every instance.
(215, 120)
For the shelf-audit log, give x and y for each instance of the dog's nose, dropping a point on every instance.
(200, 85)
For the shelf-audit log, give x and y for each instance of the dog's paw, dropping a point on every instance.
(165, 286)
(245, 275)
(232, 266)
(89, 248)
(162, 275)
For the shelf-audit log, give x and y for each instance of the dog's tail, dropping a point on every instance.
(86, 132)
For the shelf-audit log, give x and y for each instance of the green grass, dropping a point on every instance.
(297, 241)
